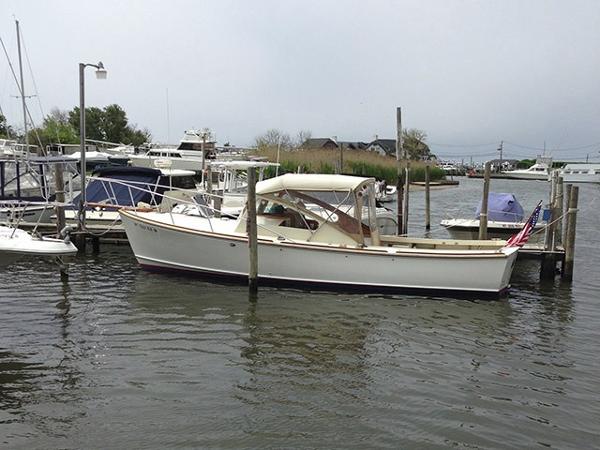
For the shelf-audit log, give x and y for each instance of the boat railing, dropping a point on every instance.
(170, 198)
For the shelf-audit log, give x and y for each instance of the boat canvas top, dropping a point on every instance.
(502, 207)
(312, 182)
(124, 186)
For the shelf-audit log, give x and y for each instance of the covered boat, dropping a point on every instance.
(505, 218)
(329, 248)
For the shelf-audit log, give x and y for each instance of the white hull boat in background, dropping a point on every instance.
(581, 173)
(15, 243)
(540, 171)
(301, 247)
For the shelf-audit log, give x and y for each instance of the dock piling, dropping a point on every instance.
(252, 230)
(399, 184)
(59, 184)
(548, 266)
(483, 215)
(567, 272)
(427, 198)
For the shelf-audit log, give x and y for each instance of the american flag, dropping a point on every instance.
(521, 238)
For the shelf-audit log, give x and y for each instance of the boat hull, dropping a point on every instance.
(15, 243)
(469, 229)
(581, 178)
(163, 246)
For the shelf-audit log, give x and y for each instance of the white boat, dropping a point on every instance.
(385, 193)
(581, 173)
(27, 187)
(15, 243)
(505, 219)
(331, 249)
(539, 171)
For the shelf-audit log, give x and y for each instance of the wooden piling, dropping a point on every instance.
(557, 212)
(427, 198)
(548, 266)
(95, 244)
(406, 194)
(59, 184)
(341, 157)
(209, 183)
(483, 215)
(566, 200)
(252, 230)
(567, 272)
(399, 184)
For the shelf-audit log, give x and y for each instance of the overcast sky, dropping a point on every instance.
(466, 72)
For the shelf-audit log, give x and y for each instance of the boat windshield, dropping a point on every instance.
(312, 207)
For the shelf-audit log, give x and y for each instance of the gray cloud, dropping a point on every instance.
(464, 71)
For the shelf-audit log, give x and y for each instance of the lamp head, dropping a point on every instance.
(101, 71)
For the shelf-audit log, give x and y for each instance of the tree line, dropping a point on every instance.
(108, 124)
(414, 142)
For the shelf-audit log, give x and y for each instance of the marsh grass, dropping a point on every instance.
(356, 162)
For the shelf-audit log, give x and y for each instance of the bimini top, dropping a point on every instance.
(311, 182)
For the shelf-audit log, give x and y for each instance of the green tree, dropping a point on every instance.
(413, 141)
(109, 124)
(6, 130)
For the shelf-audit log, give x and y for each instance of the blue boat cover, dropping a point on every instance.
(136, 184)
(502, 207)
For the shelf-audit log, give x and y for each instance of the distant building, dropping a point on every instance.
(383, 147)
(319, 143)
(504, 164)
(350, 145)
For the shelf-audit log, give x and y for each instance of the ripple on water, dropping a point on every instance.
(122, 358)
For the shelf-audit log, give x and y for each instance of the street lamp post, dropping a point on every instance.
(101, 75)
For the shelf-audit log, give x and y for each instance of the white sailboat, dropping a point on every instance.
(331, 249)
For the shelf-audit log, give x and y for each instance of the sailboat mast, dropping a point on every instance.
(22, 88)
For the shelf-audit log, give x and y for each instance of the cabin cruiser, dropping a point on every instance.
(188, 155)
(328, 248)
(505, 218)
(581, 173)
(539, 171)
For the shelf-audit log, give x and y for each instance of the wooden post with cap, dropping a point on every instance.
(399, 184)
(567, 272)
(252, 230)
(427, 197)
(483, 215)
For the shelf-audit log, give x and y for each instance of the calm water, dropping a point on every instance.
(120, 358)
